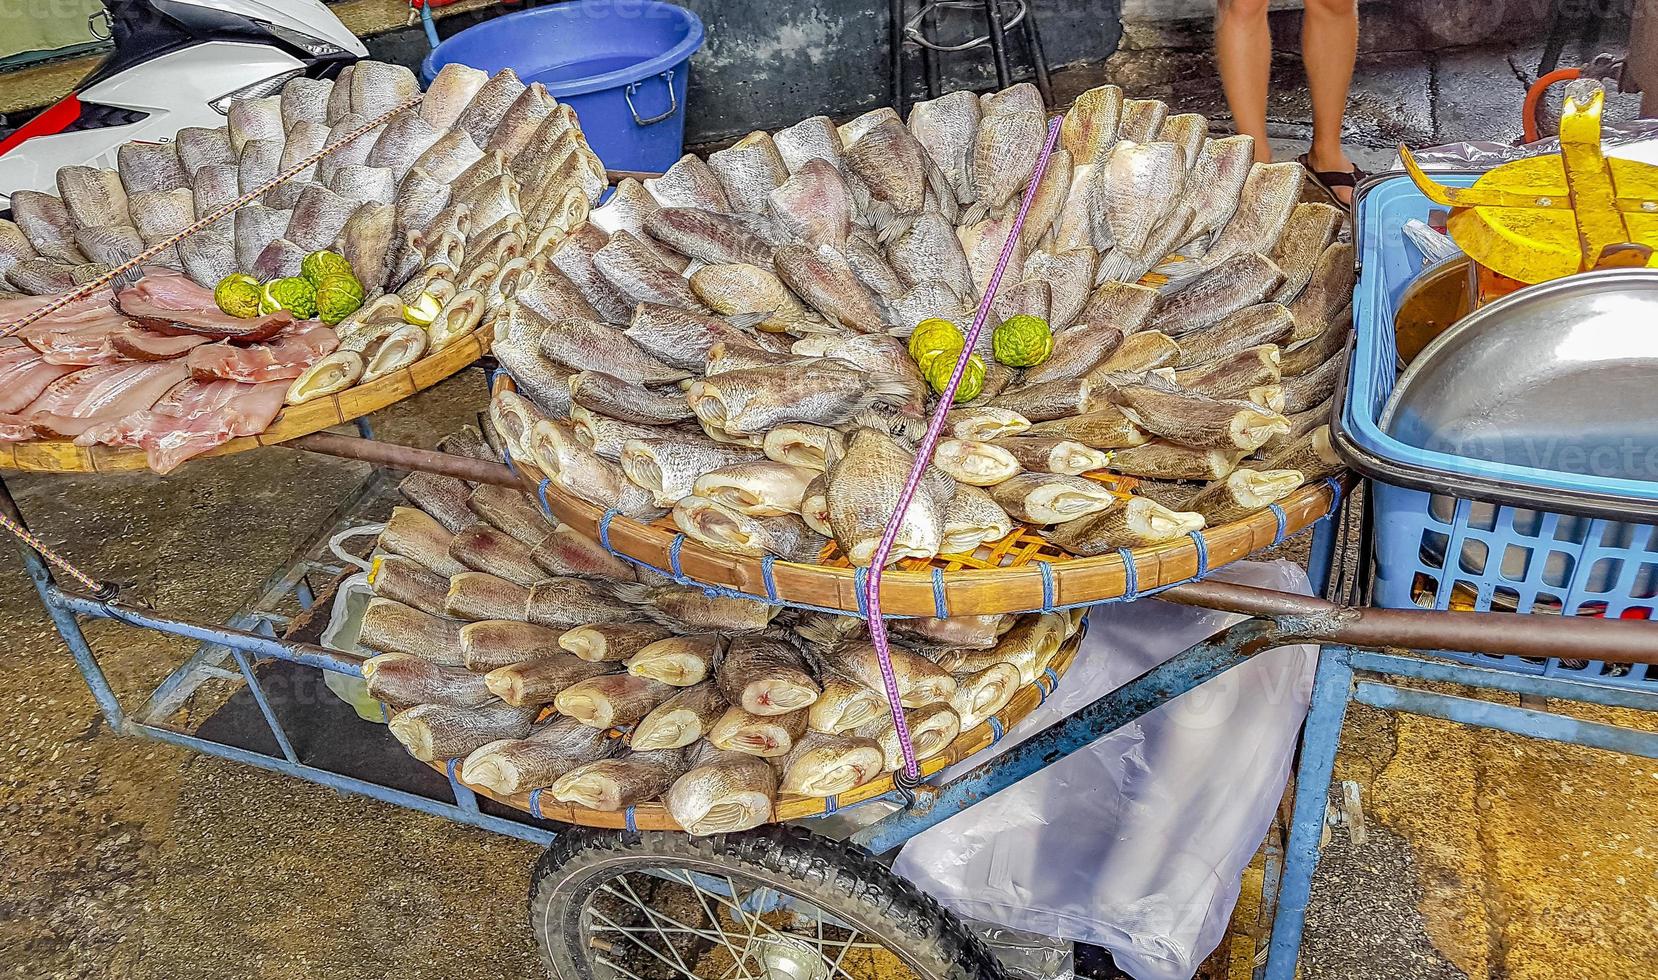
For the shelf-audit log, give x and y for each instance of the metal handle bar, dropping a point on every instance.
(673, 100)
(1306, 619)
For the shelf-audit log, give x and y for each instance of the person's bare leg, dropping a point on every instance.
(1243, 49)
(1329, 46)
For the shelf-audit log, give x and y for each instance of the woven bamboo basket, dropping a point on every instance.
(655, 816)
(62, 456)
(1022, 572)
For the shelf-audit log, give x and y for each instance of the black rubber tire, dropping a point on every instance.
(839, 878)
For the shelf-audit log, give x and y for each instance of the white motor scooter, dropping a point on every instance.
(175, 63)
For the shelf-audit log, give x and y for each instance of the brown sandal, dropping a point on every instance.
(1331, 179)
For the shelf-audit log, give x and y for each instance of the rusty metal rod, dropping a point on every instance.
(407, 458)
(1310, 619)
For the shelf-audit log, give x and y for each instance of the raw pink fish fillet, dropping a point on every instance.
(13, 308)
(282, 358)
(93, 396)
(24, 374)
(172, 303)
(137, 344)
(192, 418)
(81, 345)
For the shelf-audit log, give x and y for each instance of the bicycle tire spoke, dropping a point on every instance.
(641, 944)
(702, 896)
(619, 968)
(651, 914)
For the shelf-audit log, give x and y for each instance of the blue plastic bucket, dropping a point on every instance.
(621, 65)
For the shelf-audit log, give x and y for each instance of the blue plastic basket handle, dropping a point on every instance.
(673, 100)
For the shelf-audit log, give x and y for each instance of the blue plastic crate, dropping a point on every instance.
(1435, 550)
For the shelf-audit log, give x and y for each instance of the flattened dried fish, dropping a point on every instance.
(1106, 428)
(1266, 323)
(440, 731)
(826, 765)
(724, 793)
(513, 766)
(765, 676)
(1192, 419)
(862, 495)
(1243, 280)
(731, 531)
(681, 720)
(402, 681)
(1045, 498)
(690, 183)
(766, 736)
(677, 660)
(1162, 460)
(1138, 523)
(612, 784)
(749, 170)
(812, 138)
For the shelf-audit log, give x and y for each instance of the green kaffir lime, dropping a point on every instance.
(294, 294)
(238, 295)
(939, 370)
(1022, 341)
(338, 297)
(318, 267)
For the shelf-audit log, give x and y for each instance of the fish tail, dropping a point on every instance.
(975, 213)
(1181, 271)
(888, 391)
(886, 222)
(1115, 266)
(747, 321)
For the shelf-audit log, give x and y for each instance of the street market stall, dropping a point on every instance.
(622, 603)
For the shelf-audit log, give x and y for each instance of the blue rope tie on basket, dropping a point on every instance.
(1335, 493)
(1053, 679)
(1202, 547)
(831, 804)
(604, 532)
(450, 767)
(627, 817)
(765, 576)
(535, 804)
(996, 729)
(541, 491)
(673, 560)
(1131, 575)
(1283, 522)
(859, 578)
(1047, 571)
(941, 605)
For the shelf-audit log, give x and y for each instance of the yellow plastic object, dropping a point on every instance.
(1551, 216)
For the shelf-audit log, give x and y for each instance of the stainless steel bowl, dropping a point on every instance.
(1561, 376)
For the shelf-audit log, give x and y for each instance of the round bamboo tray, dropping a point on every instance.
(655, 816)
(1023, 572)
(63, 456)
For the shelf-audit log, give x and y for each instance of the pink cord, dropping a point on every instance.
(924, 454)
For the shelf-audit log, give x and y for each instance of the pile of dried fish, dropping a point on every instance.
(724, 342)
(439, 212)
(542, 662)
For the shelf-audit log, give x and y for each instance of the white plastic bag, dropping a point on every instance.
(1136, 843)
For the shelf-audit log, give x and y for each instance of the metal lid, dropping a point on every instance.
(1560, 377)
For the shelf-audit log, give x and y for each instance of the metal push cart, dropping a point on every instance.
(804, 905)
(1277, 620)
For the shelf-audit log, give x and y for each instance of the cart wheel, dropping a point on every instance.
(776, 903)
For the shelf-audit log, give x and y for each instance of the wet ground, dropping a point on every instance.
(1487, 856)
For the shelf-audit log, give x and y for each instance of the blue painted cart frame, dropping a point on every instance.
(1345, 673)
